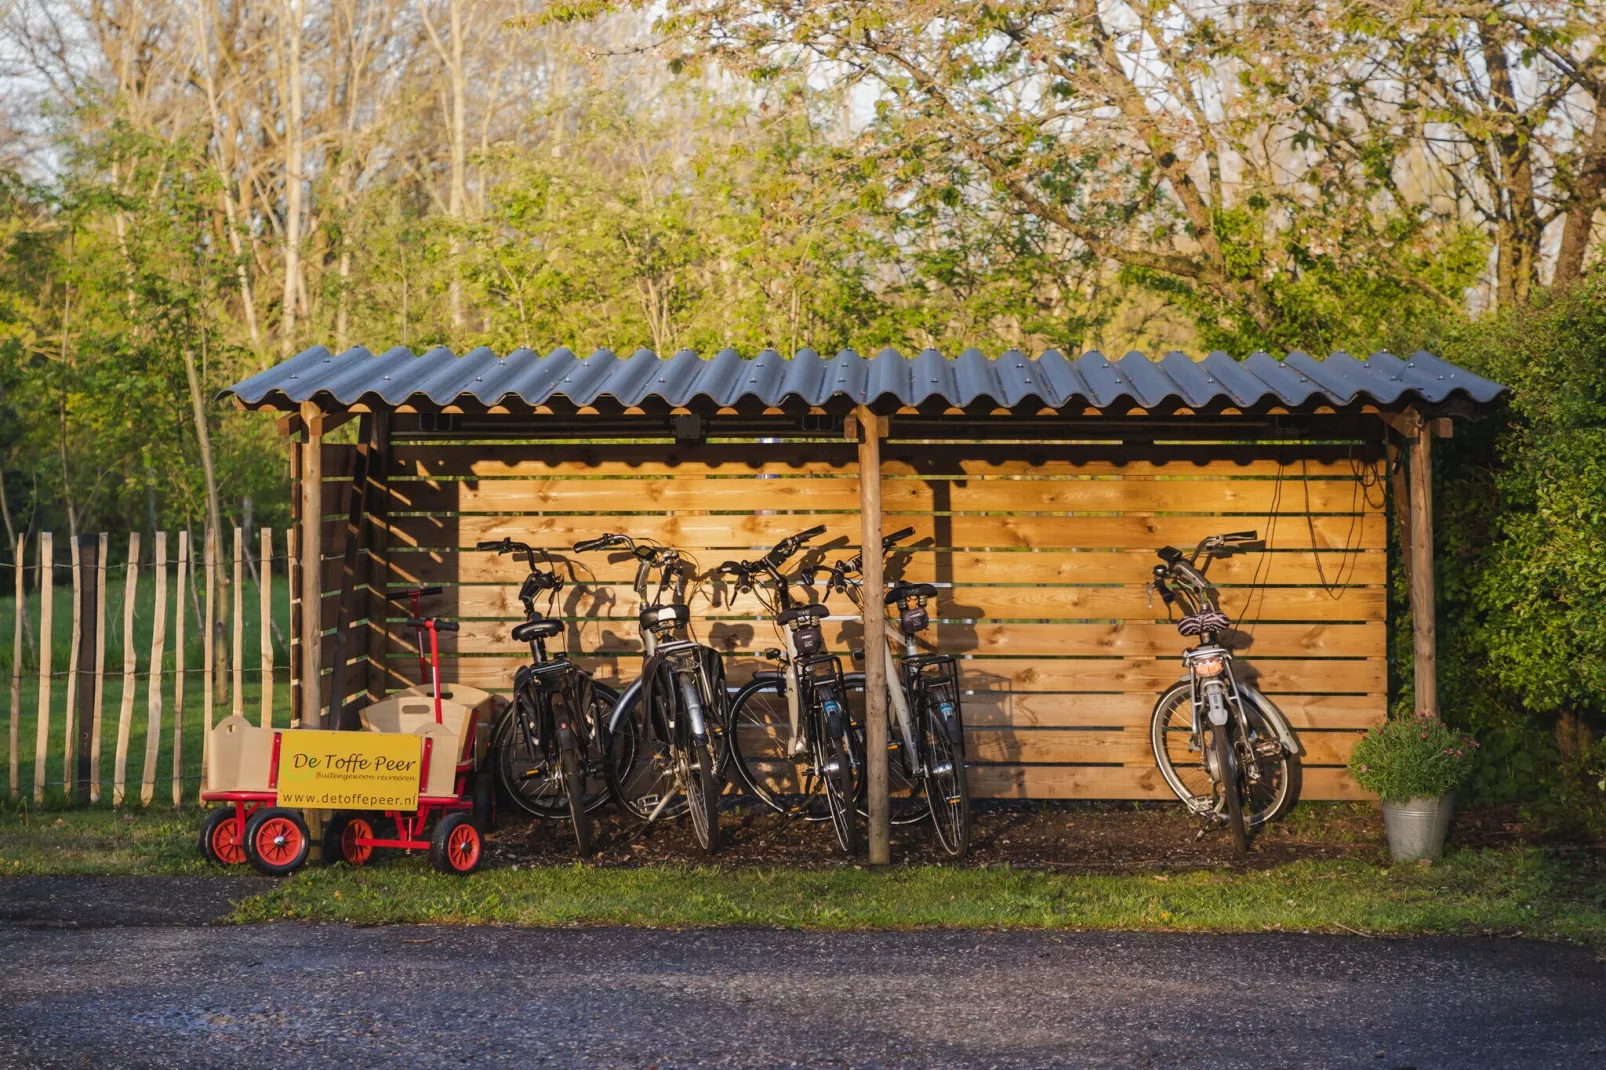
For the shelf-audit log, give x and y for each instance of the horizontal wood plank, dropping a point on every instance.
(1330, 784)
(1124, 746)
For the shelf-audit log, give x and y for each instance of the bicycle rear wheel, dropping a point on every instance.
(835, 768)
(944, 758)
(757, 747)
(528, 778)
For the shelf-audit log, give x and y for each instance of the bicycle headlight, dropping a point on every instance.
(1209, 667)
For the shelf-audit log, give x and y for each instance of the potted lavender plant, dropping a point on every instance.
(1413, 764)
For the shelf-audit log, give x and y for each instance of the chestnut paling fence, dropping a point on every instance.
(122, 651)
(1042, 552)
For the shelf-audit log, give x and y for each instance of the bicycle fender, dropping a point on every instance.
(1274, 717)
(626, 700)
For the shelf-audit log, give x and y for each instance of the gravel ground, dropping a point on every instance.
(293, 994)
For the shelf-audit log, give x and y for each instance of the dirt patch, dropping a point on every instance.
(1080, 837)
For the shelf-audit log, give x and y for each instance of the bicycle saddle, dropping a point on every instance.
(809, 612)
(900, 591)
(1205, 621)
(532, 630)
(675, 612)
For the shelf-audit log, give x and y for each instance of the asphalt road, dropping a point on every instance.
(74, 993)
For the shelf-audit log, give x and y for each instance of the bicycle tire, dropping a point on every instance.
(905, 791)
(947, 792)
(574, 788)
(639, 765)
(1231, 791)
(1170, 733)
(702, 796)
(754, 746)
(834, 763)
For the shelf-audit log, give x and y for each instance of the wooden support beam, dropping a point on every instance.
(871, 429)
(208, 654)
(1423, 620)
(311, 532)
(356, 509)
(292, 559)
(237, 635)
(378, 557)
(69, 728)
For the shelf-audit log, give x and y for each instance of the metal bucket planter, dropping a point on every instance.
(1417, 828)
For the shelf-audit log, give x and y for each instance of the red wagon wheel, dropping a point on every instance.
(220, 838)
(457, 846)
(276, 841)
(341, 838)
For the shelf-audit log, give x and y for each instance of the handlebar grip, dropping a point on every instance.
(1241, 536)
(896, 537)
(417, 622)
(425, 592)
(729, 568)
(812, 532)
(490, 544)
(585, 546)
(446, 625)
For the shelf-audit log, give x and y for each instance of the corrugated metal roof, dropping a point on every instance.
(440, 378)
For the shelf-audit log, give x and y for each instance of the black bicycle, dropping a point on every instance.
(549, 760)
(1225, 749)
(667, 734)
(926, 733)
(792, 736)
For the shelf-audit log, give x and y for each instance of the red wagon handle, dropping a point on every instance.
(434, 625)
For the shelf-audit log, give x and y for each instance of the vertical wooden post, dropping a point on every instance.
(69, 711)
(208, 654)
(237, 638)
(178, 668)
(1423, 623)
(47, 597)
(103, 545)
(378, 576)
(292, 559)
(345, 610)
(153, 688)
(21, 607)
(265, 611)
(312, 569)
(125, 712)
(77, 772)
(875, 630)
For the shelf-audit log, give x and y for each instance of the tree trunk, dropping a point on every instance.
(292, 179)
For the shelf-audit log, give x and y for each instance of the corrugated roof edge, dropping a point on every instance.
(439, 377)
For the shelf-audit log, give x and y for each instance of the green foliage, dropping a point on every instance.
(1412, 758)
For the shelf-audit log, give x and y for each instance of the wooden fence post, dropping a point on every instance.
(293, 570)
(237, 637)
(378, 574)
(875, 632)
(153, 690)
(208, 642)
(21, 605)
(69, 712)
(125, 712)
(77, 772)
(265, 608)
(356, 511)
(103, 545)
(47, 596)
(178, 668)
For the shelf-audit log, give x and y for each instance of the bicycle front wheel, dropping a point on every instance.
(1223, 756)
(834, 768)
(757, 746)
(528, 777)
(574, 788)
(1181, 760)
(702, 795)
(641, 767)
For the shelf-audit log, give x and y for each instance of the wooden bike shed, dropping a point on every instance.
(1040, 489)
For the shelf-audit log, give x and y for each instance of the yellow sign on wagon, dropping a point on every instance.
(349, 770)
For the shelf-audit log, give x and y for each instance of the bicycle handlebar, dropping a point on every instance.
(421, 592)
(585, 546)
(437, 623)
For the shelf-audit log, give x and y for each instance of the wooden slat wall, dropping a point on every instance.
(1043, 551)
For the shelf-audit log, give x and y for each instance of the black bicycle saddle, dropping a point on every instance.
(900, 591)
(814, 611)
(532, 630)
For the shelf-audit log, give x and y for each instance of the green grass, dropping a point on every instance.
(144, 617)
(1515, 891)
